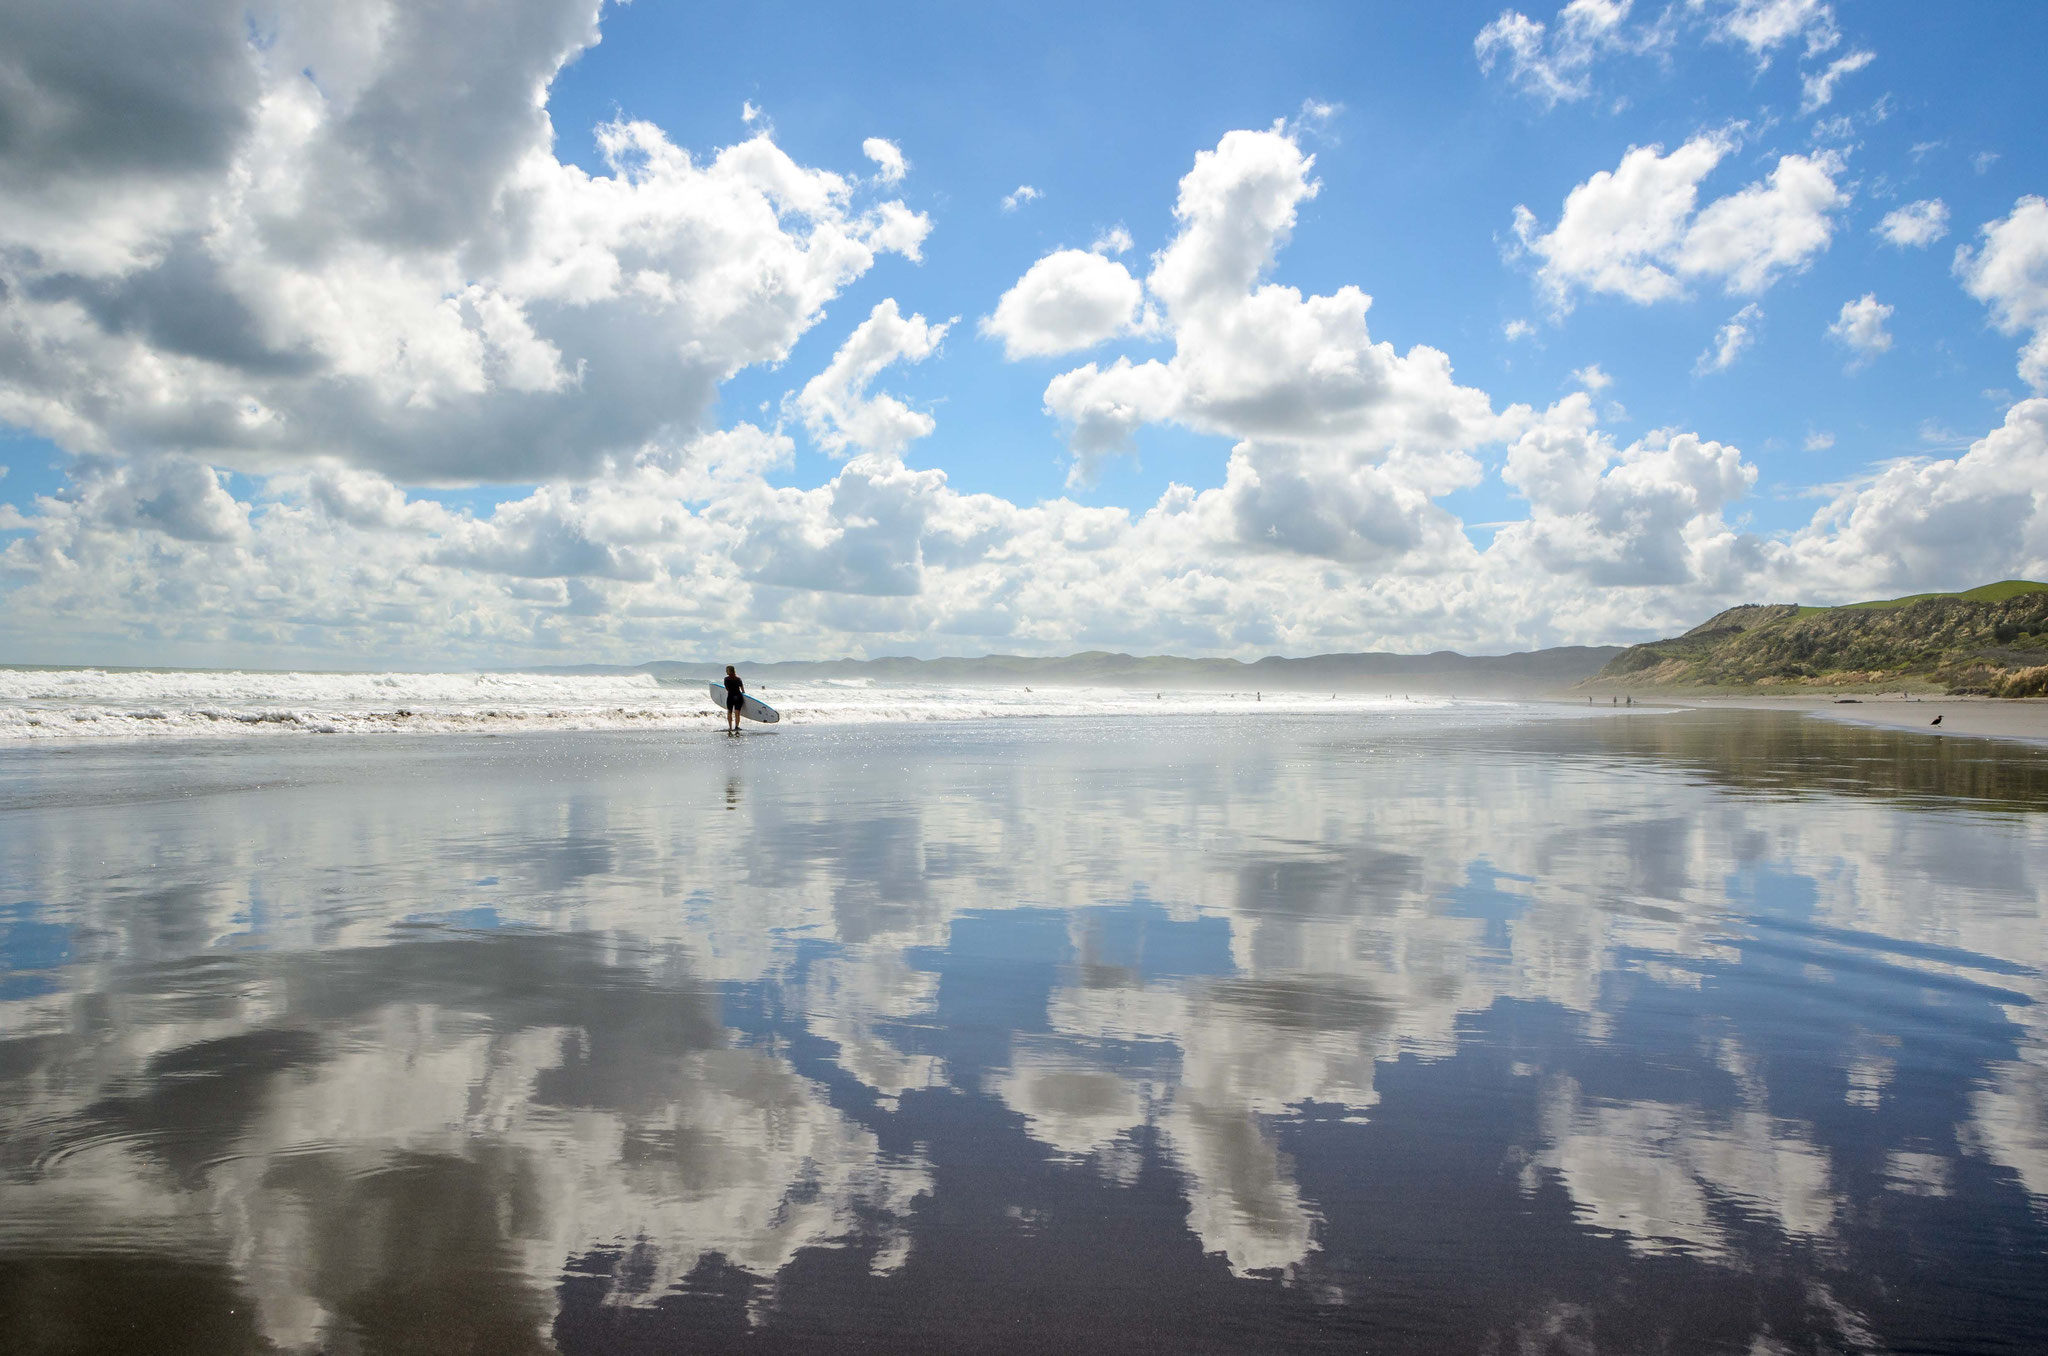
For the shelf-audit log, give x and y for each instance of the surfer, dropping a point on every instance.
(735, 697)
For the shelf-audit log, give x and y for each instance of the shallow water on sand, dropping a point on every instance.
(1689, 1032)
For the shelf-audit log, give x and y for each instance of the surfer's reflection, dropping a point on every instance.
(732, 793)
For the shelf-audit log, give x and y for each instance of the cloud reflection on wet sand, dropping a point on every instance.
(1300, 1031)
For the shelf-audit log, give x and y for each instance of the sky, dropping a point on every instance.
(358, 335)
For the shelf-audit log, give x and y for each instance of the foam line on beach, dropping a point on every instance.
(151, 704)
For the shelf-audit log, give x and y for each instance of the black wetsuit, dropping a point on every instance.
(735, 692)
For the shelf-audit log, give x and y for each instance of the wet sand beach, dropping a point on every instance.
(1475, 1029)
(1987, 717)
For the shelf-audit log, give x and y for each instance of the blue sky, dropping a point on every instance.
(229, 497)
(1421, 169)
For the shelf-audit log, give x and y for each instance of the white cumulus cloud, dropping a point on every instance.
(1764, 26)
(347, 288)
(1115, 240)
(1860, 327)
(1737, 334)
(1748, 238)
(1553, 62)
(1635, 231)
(836, 407)
(890, 166)
(1069, 300)
(385, 265)
(174, 496)
(2009, 273)
(1817, 88)
(1649, 513)
(1304, 549)
(1916, 225)
(1983, 515)
(1022, 194)
(1259, 362)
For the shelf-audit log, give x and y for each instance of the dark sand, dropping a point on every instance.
(1986, 717)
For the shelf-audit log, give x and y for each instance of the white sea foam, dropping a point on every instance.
(141, 704)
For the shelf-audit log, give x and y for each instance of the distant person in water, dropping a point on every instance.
(735, 697)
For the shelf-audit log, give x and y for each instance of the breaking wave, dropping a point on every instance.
(40, 704)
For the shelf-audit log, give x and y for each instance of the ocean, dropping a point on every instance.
(87, 703)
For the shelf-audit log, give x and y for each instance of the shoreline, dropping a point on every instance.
(2024, 719)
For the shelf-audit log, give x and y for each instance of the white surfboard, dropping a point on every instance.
(752, 707)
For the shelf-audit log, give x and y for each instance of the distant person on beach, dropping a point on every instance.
(735, 697)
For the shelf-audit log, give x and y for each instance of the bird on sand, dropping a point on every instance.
(1935, 721)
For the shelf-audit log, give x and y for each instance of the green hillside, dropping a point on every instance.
(1983, 593)
(1991, 641)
